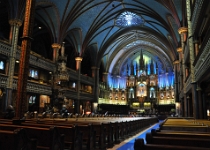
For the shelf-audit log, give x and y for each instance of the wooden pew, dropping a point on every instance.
(180, 141)
(115, 132)
(99, 136)
(16, 140)
(109, 135)
(185, 134)
(140, 145)
(47, 138)
(71, 139)
(82, 137)
(87, 136)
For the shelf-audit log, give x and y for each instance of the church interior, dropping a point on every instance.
(65, 62)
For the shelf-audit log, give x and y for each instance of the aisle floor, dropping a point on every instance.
(128, 143)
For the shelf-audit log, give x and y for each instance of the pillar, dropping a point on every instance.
(186, 71)
(14, 32)
(192, 58)
(78, 69)
(56, 48)
(179, 50)
(196, 43)
(105, 76)
(95, 75)
(183, 33)
(176, 85)
(188, 105)
(200, 102)
(21, 99)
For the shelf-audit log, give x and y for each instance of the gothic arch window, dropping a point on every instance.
(152, 92)
(161, 95)
(131, 93)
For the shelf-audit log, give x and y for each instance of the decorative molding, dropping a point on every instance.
(196, 13)
(179, 49)
(35, 59)
(182, 30)
(31, 87)
(203, 64)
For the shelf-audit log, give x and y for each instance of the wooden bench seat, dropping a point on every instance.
(47, 138)
(16, 140)
(140, 145)
(71, 139)
(97, 137)
(181, 141)
(85, 131)
(187, 134)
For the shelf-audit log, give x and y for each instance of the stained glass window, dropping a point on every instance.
(127, 18)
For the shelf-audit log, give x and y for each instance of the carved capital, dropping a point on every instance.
(182, 30)
(56, 45)
(78, 58)
(179, 49)
(176, 62)
(16, 22)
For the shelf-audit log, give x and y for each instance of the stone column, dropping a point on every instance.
(105, 80)
(192, 58)
(13, 39)
(7, 67)
(200, 102)
(56, 48)
(188, 106)
(183, 33)
(95, 75)
(186, 71)
(78, 69)
(196, 43)
(21, 99)
(179, 50)
(176, 80)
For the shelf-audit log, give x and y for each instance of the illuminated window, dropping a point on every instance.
(33, 73)
(1, 65)
(127, 18)
(32, 99)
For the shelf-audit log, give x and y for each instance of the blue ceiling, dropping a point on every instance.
(91, 25)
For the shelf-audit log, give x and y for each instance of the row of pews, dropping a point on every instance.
(70, 133)
(177, 134)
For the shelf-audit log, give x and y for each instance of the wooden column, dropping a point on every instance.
(21, 98)
(183, 33)
(56, 48)
(78, 69)
(196, 43)
(176, 63)
(95, 75)
(14, 32)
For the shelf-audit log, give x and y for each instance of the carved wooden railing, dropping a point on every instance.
(31, 86)
(196, 13)
(203, 63)
(39, 61)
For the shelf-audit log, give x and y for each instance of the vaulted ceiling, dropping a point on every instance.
(108, 34)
